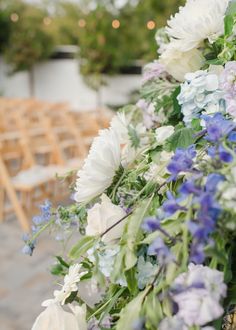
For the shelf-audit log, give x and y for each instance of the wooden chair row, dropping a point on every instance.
(38, 140)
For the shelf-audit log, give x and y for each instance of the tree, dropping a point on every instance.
(29, 39)
(4, 29)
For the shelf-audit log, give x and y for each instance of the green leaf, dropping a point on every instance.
(229, 24)
(180, 139)
(177, 107)
(57, 270)
(71, 298)
(131, 280)
(196, 124)
(133, 229)
(131, 312)
(62, 262)
(84, 244)
(135, 139)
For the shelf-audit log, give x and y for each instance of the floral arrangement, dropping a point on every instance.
(154, 213)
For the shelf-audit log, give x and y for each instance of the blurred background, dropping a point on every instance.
(64, 67)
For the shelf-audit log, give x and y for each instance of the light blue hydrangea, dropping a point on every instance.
(199, 94)
(106, 260)
(146, 272)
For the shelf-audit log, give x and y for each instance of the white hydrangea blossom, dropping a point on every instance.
(200, 91)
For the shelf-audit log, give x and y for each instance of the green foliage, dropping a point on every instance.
(83, 245)
(183, 138)
(131, 312)
(29, 40)
(4, 30)
(102, 48)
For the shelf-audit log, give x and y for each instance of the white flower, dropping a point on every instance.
(172, 323)
(212, 279)
(55, 318)
(178, 63)
(198, 296)
(102, 216)
(163, 133)
(120, 124)
(71, 281)
(196, 21)
(100, 166)
(197, 307)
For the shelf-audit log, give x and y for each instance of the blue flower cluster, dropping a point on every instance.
(38, 222)
(182, 161)
(217, 129)
(203, 220)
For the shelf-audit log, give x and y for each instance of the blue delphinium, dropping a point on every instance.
(158, 248)
(217, 127)
(182, 161)
(171, 205)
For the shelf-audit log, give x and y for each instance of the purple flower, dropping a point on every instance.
(212, 182)
(197, 254)
(220, 153)
(224, 155)
(228, 79)
(217, 127)
(170, 206)
(232, 137)
(182, 161)
(151, 224)
(152, 71)
(159, 249)
(189, 187)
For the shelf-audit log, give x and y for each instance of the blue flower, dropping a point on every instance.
(46, 210)
(189, 187)
(170, 206)
(212, 182)
(221, 153)
(224, 155)
(217, 127)
(159, 249)
(29, 245)
(182, 161)
(151, 224)
(28, 250)
(232, 137)
(197, 254)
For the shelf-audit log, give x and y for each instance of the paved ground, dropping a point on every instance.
(24, 281)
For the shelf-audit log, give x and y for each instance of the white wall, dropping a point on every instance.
(60, 80)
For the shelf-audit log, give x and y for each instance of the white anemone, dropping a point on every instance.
(100, 166)
(196, 21)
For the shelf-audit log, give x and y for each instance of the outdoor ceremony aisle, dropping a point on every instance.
(24, 281)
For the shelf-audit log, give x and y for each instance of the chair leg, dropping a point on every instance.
(13, 198)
